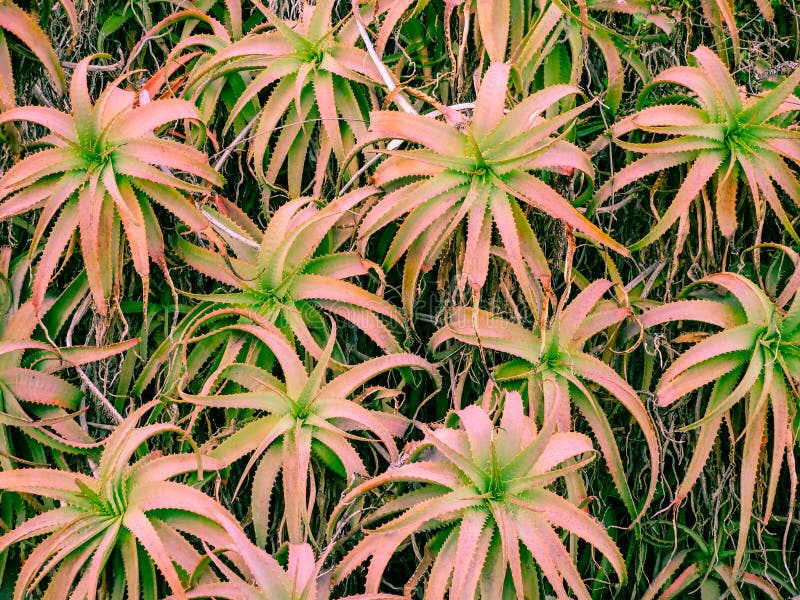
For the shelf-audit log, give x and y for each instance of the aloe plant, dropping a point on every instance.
(128, 517)
(724, 135)
(314, 73)
(295, 270)
(103, 168)
(558, 373)
(752, 361)
(296, 416)
(476, 173)
(483, 492)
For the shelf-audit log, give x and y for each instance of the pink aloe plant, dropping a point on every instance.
(483, 490)
(296, 416)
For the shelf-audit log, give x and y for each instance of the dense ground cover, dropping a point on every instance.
(399, 299)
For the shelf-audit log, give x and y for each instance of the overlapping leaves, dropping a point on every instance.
(296, 415)
(476, 174)
(99, 176)
(558, 373)
(484, 493)
(726, 137)
(753, 362)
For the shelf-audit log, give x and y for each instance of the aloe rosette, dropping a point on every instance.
(557, 373)
(314, 74)
(129, 517)
(753, 361)
(102, 168)
(483, 493)
(476, 173)
(296, 270)
(725, 136)
(298, 415)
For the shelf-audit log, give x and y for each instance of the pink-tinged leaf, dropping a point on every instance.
(668, 115)
(639, 169)
(727, 187)
(685, 143)
(425, 131)
(209, 263)
(509, 540)
(592, 369)
(308, 286)
(402, 165)
(351, 63)
(40, 525)
(420, 220)
(167, 467)
(172, 155)
(132, 218)
(684, 383)
(569, 517)
(442, 569)
(423, 255)
(261, 491)
(532, 533)
(579, 308)
(147, 117)
(179, 205)
(364, 319)
(50, 483)
(479, 238)
(561, 447)
(107, 544)
(737, 339)
(601, 428)
(506, 219)
(542, 197)
(470, 533)
(491, 100)
(326, 103)
(68, 185)
(522, 117)
(340, 265)
(29, 198)
(480, 431)
(276, 70)
(445, 186)
(138, 524)
(698, 82)
(782, 437)
(712, 312)
(470, 325)
(36, 167)
(561, 155)
(699, 174)
(18, 22)
(56, 121)
(757, 307)
(59, 237)
(352, 379)
(494, 19)
(616, 70)
(718, 76)
(770, 103)
(80, 99)
(751, 454)
(41, 388)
